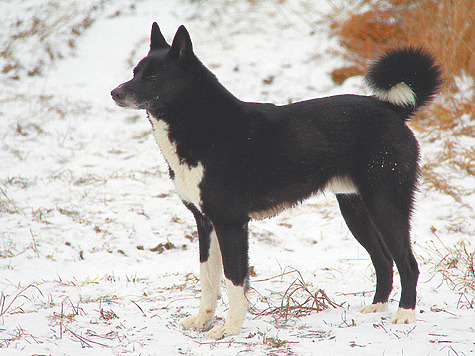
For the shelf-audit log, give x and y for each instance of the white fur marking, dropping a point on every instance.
(400, 94)
(211, 272)
(404, 316)
(187, 178)
(374, 308)
(341, 185)
(238, 305)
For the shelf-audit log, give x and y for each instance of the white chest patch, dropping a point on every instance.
(187, 178)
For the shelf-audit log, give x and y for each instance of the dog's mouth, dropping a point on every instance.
(122, 104)
(129, 104)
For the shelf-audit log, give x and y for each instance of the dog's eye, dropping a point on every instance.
(151, 77)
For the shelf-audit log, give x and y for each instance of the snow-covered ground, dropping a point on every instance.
(97, 254)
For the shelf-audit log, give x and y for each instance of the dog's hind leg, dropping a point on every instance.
(233, 242)
(362, 227)
(211, 271)
(390, 213)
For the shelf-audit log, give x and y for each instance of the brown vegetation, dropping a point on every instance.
(444, 28)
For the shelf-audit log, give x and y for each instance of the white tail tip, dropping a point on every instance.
(400, 94)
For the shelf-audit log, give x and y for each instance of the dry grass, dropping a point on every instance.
(18, 334)
(75, 321)
(456, 264)
(298, 300)
(445, 27)
(54, 27)
(453, 158)
(7, 205)
(9, 306)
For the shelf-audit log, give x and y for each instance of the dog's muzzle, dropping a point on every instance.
(119, 96)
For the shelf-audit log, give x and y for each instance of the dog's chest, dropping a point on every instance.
(186, 178)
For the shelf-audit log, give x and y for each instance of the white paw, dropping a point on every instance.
(196, 322)
(374, 308)
(236, 314)
(404, 316)
(219, 332)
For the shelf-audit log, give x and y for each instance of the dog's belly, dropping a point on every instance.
(271, 212)
(186, 178)
(337, 185)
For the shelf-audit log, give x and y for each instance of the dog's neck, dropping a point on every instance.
(207, 115)
(206, 98)
(208, 106)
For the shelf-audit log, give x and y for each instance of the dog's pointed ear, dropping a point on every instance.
(157, 41)
(181, 46)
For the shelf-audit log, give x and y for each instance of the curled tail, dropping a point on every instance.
(406, 77)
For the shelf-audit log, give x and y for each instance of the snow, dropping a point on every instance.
(85, 196)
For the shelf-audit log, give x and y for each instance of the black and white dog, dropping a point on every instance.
(232, 161)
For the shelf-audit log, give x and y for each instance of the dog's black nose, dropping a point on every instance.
(117, 94)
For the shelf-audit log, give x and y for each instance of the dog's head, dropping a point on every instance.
(163, 77)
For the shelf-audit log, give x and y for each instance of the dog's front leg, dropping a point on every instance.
(211, 271)
(233, 242)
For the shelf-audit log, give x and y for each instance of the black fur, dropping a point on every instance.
(412, 66)
(263, 157)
